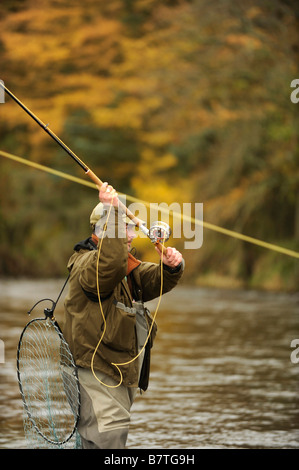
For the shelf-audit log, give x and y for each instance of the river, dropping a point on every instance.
(222, 374)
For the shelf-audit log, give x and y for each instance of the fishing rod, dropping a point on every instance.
(158, 232)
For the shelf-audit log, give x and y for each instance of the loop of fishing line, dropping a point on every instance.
(116, 365)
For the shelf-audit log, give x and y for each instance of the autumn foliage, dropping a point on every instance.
(185, 101)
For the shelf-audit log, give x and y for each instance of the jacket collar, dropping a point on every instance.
(132, 263)
(90, 244)
(87, 244)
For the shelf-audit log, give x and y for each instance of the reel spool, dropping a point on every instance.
(159, 232)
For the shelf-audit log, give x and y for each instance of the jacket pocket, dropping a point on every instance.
(120, 328)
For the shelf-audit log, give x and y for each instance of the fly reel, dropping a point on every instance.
(159, 232)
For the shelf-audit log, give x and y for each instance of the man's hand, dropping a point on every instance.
(108, 195)
(171, 258)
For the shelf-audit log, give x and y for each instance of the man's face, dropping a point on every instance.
(130, 234)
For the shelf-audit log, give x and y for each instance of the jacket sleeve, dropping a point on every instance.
(109, 261)
(150, 279)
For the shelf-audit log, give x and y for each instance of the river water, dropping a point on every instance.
(222, 373)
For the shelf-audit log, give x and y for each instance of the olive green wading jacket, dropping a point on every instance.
(122, 279)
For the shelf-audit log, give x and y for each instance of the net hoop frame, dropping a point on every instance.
(26, 407)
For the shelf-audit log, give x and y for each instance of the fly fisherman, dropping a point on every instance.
(124, 284)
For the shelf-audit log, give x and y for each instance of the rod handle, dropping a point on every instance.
(94, 178)
(122, 206)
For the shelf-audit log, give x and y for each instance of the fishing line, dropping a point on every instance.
(101, 307)
(135, 220)
(104, 319)
(207, 225)
(153, 320)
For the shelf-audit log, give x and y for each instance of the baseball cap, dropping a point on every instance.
(100, 211)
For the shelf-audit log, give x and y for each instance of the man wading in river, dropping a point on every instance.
(124, 283)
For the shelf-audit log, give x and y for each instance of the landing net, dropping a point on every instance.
(49, 386)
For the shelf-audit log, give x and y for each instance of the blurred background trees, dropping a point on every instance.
(185, 101)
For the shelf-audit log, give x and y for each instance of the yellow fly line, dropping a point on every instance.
(104, 319)
(206, 225)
